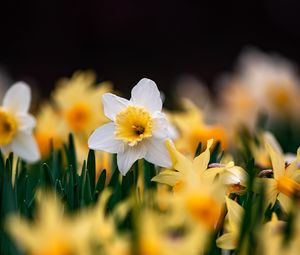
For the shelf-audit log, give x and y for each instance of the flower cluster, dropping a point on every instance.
(95, 173)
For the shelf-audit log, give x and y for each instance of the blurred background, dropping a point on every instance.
(124, 41)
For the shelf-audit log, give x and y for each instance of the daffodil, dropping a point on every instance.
(234, 177)
(51, 233)
(285, 183)
(200, 201)
(16, 124)
(261, 154)
(193, 129)
(229, 239)
(138, 128)
(271, 238)
(238, 107)
(77, 100)
(157, 235)
(49, 127)
(272, 80)
(183, 167)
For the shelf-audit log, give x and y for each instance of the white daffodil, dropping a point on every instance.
(16, 123)
(138, 128)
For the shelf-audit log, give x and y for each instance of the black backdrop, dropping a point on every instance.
(123, 41)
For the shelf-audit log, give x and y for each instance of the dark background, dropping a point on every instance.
(123, 41)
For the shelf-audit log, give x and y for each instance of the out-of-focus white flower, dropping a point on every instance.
(16, 124)
(138, 128)
(272, 80)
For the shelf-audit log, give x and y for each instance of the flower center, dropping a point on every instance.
(78, 116)
(288, 186)
(178, 186)
(279, 95)
(57, 248)
(205, 209)
(8, 127)
(44, 142)
(133, 125)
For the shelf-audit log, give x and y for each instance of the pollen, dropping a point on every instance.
(288, 186)
(133, 125)
(205, 209)
(8, 127)
(78, 116)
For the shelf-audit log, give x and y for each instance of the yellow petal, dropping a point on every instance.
(168, 177)
(270, 186)
(227, 241)
(235, 214)
(285, 202)
(200, 163)
(180, 162)
(278, 162)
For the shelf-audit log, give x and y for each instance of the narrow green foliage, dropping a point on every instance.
(198, 149)
(149, 173)
(47, 175)
(91, 166)
(71, 153)
(215, 154)
(100, 184)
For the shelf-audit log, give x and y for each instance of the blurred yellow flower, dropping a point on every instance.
(183, 167)
(229, 239)
(193, 129)
(285, 183)
(50, 233)
(78, 100)
(158, 234)
(49, 127)
(234, 177)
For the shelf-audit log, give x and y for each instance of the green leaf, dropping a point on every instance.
(198, 149)
(47, 177)
(149, 173)
(215, 153)
(71, 153)
(100, 184)
(91, 166)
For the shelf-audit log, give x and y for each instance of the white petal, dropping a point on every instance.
(130, 154)
(24, 145)
(26, 122)
(113, 104)
(157, 152)
(17, 98)
(146, 94)
(103, 139)
(161, 128)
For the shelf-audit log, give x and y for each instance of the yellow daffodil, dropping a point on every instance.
(261, 154)
(183, 167)
(193, 129)
(16, 124)
(78, 100)
(235, 177)
(271, 238)
(138, 128)
(49, 128)
(201, 201)
(50, 233)
(285, 183)
(157, 235)
(235, 212)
